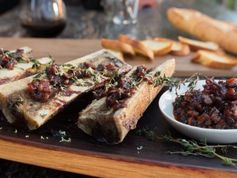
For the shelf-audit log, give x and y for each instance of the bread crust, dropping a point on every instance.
(214, 60)
(116, 45)
(112, 127)
(196, 45)
(177, 48)
(137, 46)
(159, 48)
(204, 27)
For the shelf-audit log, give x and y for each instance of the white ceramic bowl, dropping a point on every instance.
(220, 136)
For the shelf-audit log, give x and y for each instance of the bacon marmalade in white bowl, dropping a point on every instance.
(208, 112)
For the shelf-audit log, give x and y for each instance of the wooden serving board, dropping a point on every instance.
(135, 157)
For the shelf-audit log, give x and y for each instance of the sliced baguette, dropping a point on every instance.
(159, 48)
(112, 126)
(35, 113)
(116, 45)
(177, 48)
(196, 44)
(214, 60)
(204, 27)
(184, 51)
(138, 46)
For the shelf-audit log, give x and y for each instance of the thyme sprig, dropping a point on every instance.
(36, 64)
(192, 147)
(176, 83)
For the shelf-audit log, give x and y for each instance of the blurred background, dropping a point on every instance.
(93, 19)
(99, 18)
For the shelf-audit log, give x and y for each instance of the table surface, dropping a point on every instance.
(88, 24)
(84, 24)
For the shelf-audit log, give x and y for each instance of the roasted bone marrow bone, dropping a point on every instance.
(120, 104)
(38, 98)
(19, 63)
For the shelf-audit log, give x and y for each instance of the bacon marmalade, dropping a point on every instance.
(121, 88)
(9, 59)
(59, 77)
(213, 107)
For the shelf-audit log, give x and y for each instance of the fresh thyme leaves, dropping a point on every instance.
(58, 78)
(8, 59)
(175, 83)
(192, 81)
(192, 147)
(36, 64)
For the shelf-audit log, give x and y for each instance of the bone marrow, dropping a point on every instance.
(45, 94)
(120, 104)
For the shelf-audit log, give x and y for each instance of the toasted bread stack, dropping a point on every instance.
(146, 48)
(177, 48)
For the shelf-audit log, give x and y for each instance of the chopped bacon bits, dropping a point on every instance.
(110, 67)
(41, 90)
(123, 88)
(60, 77)
(9, 59)
(141, 71)
(213, 107)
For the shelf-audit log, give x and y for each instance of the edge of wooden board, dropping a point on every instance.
(99, 165)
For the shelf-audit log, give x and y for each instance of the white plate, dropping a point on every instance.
(220, 136)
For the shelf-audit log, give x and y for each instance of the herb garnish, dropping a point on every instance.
(58, 78)
(192, 147)
(8, 59)
(175, 83)
(36, 64)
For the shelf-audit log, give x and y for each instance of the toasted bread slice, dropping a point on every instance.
(138, 46)
(116, 45)
(184, 51)
(178, 48)
(113, 125)
(214, 60)
(116, 54)
(196, 44)
(159, 48)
